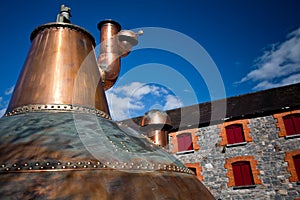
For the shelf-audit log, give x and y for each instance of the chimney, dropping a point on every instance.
(157, 123)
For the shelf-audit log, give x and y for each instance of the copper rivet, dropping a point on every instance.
(14, 165)
(36, 164)
(30, 168)
(25, 164)
(74, 166)
(52, 167)
(41, 167)
(89, 163)
(58, 163)
(63, 167)
(3, 165)
(47, 163)
(84, 166)
(19, 168)
(96, 166)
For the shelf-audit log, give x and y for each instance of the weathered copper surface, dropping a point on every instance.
(60, 68)
(47, 155)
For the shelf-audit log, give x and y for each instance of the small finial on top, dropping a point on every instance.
(64, 14)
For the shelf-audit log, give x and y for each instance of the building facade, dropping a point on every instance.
(251, 153)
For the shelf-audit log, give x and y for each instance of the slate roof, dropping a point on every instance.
(243, 106)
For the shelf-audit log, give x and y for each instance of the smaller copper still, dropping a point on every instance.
(157, 123)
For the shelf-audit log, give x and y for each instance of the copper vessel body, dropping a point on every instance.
(60, 68)
(66, 156)
(109, 58)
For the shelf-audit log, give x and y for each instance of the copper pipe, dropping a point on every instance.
(114, 45)
(109, 58)
(60, 68)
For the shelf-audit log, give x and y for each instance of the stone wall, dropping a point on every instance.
(267, 148)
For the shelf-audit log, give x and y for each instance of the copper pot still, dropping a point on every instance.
(57, 140)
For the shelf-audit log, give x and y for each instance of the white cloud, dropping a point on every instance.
(10, 90)
(172, 102)
(137, 97)
(286, 81)
(278, 66)
(128, 97)
(119, 106)
(137, 90)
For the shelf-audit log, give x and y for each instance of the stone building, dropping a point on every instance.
(251, 151)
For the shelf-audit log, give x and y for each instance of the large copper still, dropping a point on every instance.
(57, 140)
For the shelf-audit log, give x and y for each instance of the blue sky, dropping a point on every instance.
(191, 51)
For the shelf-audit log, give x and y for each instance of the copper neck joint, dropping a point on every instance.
(114, 45)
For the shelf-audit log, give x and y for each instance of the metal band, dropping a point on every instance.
(62, 25)
(57, 108)
(89, 165)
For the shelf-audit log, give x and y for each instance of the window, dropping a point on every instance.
(297, 165)
(193, 169)
(242, 173)
(196, 168)
(288, 124)
(185, 142)
(189, 144)
(235, 133)
(292, 124)
(293, 160)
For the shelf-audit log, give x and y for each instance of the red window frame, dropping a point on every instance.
(292, 124)
(296, 160)
(242, 173)
(235, 133)
(185, 142)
